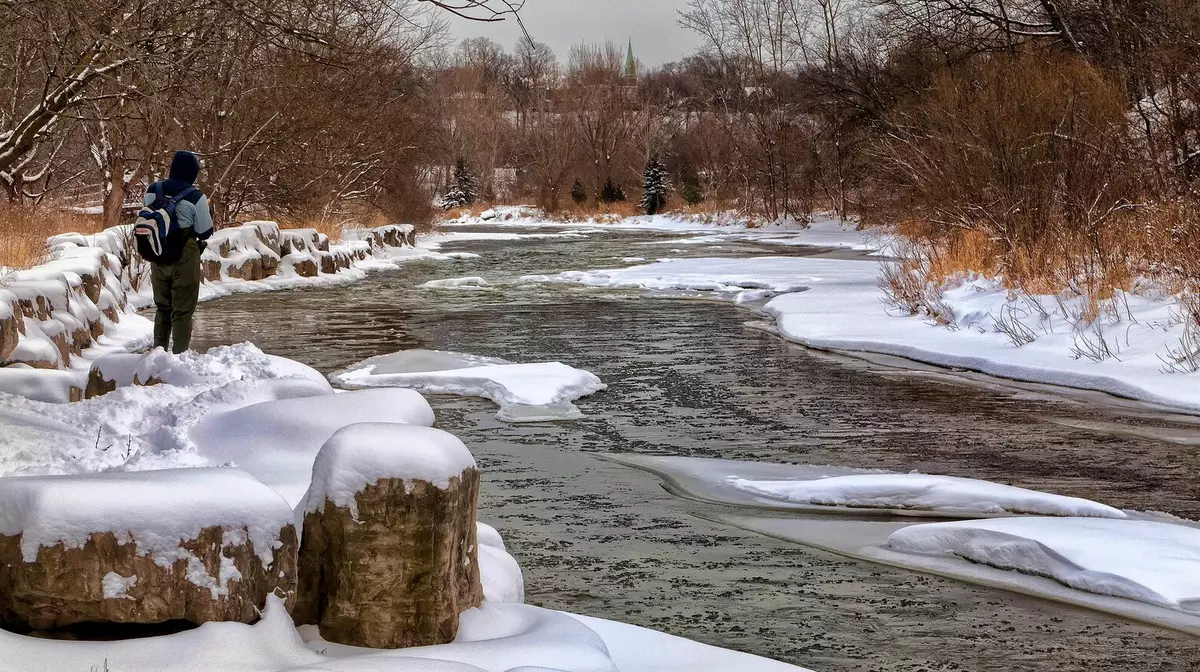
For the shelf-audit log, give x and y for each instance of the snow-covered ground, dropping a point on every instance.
(497, 637)
(534, 392)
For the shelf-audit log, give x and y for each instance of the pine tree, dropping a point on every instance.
(611, 192)
(579, 193)
(465, 188)
(655, 187)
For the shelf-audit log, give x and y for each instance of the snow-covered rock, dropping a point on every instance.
(1141, 560)
(389, 557)
(198, 545)
(247, 252)
(525, 392)
(922, 492)
(278, 441)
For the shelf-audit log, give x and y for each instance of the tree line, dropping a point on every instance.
(1014, 131)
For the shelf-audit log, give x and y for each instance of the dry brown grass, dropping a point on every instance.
(24, 230)
(330, 228)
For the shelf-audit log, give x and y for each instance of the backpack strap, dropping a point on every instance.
(178, 198)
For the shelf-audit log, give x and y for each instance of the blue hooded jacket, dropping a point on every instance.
(192, 212)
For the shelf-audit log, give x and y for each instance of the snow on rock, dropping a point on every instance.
(159, 509)
(923, 492)
(364, 454)
(1148, 561)
(116, 586)
(56, 387)
(525, 392)
(184, 544)
(278, 441)
(498, 571)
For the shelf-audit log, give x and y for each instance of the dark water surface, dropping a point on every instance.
(687, 377)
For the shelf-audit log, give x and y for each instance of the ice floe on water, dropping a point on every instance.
(534, 392)
(940, 494)
(732, 277)
(846, 490)
(1134, 564)
(471, 282)
(1141, 560)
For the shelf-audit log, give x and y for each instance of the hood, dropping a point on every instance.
(185, 167)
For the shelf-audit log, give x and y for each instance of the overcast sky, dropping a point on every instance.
(652, 24)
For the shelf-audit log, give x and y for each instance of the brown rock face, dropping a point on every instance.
(9, 336)
(306, 268)
(328, 263)
(65, 586)
(400, 574)
(98, 385)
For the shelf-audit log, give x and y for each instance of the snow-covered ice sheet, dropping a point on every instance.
(525, 392)
(940, 494)
(823, 231)
(846, 490)
(1142, 560)
(741, 281)
(867, 540)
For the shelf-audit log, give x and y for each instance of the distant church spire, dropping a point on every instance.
(630, 63)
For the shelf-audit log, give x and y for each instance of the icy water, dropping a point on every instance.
(688, 377)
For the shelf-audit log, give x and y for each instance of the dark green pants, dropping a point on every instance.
(176, 291)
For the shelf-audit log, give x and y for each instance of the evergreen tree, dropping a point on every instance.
(464, 190)
(611, 192)
(655, 187)
(579, 193)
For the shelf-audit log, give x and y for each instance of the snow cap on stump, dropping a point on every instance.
(364, 454)
(389, 556)
(184, 544)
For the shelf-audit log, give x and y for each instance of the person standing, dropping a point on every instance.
(185, 223)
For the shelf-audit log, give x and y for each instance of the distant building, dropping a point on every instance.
(631, 70)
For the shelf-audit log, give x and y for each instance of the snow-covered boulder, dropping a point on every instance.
(251, 251)
(196, 545)
(390, 554)
(60, 308)
(122, 370)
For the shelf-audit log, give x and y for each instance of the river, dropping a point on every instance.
(688, 377)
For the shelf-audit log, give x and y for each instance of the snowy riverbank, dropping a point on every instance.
(837, 304)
